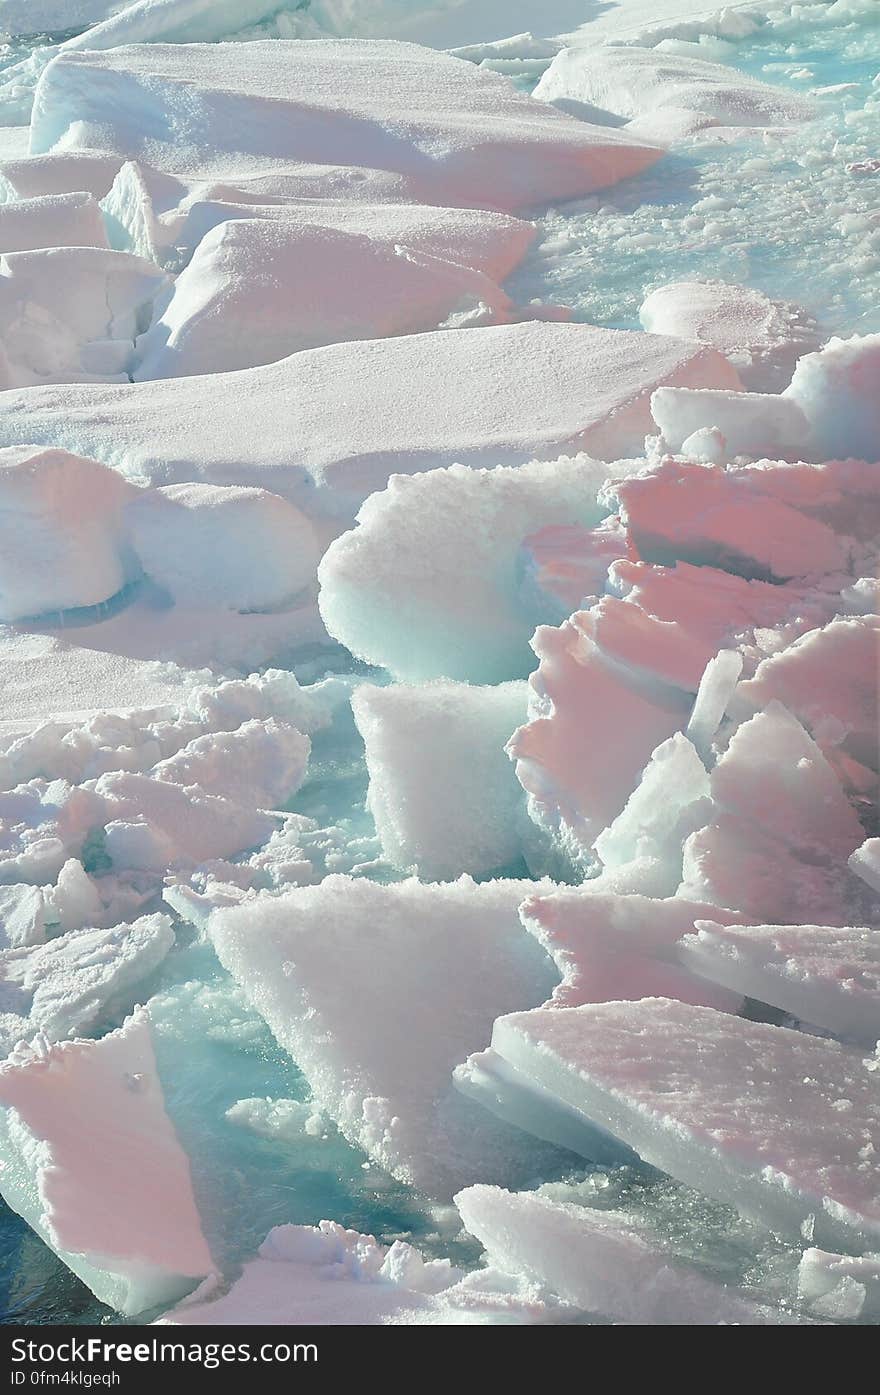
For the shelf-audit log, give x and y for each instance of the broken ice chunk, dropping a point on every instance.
(751, 423)
(608, 947)
(427, 970)
(61, 532)
(828, 678)
(641, 849)
(241, 549)
(42, 824)
(443, 793)
(763, 338)
(781, 828)
(640, 81)
(60, 172)
(599, 1261)
(714, 693)
(444, 598)
(259, 764)
(837, 391)
(460, 134)
(61, 988)
(258, 290)
(779, 1124)
(865, 862)
(825, 975)
(705, 515)
(58, 220)
(92, 1163)
(594, 723)
(840, 1287)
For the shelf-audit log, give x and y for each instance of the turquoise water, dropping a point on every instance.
(783, 216)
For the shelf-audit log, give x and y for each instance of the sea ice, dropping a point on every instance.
(462, 135)
(836, 389)
(779, 1124)
(637, 82)
(827, 976)
(43, 823)
(434, 965)
(61, 988)
(599, 1262)
(92, 1162)
(61, 531)
(745, 423)
(62, 172)
(609, 946)
(593, 723)
(260, 763)
(763, 338)
(257, 290)
(703, 514)
(71, 314)
(442, 792)
(268, 548)
(426, 585)
(840, 1287)
(507, 395)
(57, 220)
(781, 829)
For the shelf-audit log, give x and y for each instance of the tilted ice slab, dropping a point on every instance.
(260, 763)
(72, 314)
(827, 976)
(514, 393)
(598, 1261)
(61, 532)
(445, 598)
(258, 290)
(706, 515)
(828, 412)
(179, 534)
(57, 220)
(637, 82)
(29, 914)
(594, 721)
(828, 679)
(781, 1125)
(61, 988)
(92, 1163)
(776, 844)
(427, 969)
(763, 338)
(840, 1287)
(443, 794)
(42, 824)
(609, 946)
(462, 135)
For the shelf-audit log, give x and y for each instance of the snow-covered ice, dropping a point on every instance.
(434, 965)
(749, 1113)
(827, 976)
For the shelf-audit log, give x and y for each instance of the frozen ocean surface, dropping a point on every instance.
(790, 213)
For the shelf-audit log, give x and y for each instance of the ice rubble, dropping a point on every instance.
(434, 965)
(826, 976)
(778, 1123)
(639, 82)
(60, 989)
(599, 1262)
(461, 135)
(840, 1287)
(520, 392)
(258, 290)
(78, 1119)
(442, 792)
(763, 338)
